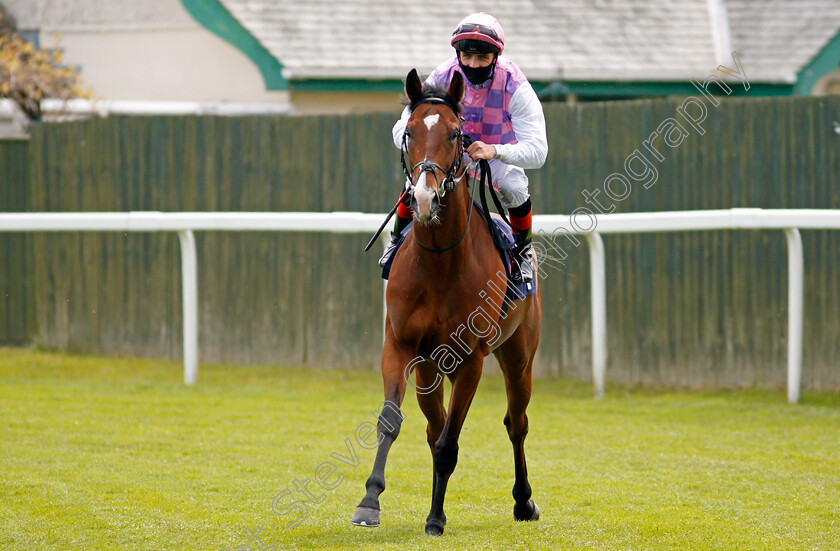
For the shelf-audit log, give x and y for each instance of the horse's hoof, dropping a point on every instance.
(434, 527)
(365, 516)
(529, 511)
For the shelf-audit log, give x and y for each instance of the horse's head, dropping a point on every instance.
(432, 143)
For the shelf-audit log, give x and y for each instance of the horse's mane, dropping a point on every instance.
(433, 91)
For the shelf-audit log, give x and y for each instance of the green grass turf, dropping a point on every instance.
(104, 453)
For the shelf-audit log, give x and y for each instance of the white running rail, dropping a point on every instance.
(184, 224)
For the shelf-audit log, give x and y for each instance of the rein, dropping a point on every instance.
(469, 219)
(449, 182)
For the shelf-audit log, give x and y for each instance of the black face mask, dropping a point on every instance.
(477, 76)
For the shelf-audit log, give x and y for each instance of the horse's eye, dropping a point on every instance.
(407, 134)
(454, 135)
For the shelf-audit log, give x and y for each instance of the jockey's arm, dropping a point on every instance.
(528, 121)
(399, 128)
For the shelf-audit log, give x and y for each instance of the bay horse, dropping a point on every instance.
(440, 317)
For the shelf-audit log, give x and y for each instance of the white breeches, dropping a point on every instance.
(511, 183)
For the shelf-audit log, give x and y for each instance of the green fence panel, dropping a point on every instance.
(17, 319)
(697, 308)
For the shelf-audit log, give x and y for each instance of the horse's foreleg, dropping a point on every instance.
(431, 404)
(390, 419)
(445, 454)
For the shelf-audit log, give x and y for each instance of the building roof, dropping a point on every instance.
(776, 39)
(95, 14)
(548, 39)
(574, 40)
(551, 40)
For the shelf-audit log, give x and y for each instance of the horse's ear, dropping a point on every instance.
(456, 87)
(413, 86)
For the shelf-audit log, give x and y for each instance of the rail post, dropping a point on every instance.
(598, 282)
(189, 285)
(795, 299)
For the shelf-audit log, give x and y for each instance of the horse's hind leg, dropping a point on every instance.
(390, 418)
(515, 359)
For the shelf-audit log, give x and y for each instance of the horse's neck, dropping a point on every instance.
(454, 223)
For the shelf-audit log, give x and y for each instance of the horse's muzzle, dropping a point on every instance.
(425, 203)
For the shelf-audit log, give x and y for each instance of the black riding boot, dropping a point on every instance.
(520, 219)
(523, 254)
(399, 225)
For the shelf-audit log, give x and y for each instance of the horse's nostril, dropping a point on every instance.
(435, 203)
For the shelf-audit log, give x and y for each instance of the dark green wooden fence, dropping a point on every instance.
(699, 308)
(692, 309)
(17, 319)
(265, 297)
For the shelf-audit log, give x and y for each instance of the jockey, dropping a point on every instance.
(505, 120)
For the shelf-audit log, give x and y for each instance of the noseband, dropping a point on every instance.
(449, 180)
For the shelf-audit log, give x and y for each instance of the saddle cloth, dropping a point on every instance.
(505, 234)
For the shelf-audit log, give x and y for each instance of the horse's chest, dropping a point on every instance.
(429, 324)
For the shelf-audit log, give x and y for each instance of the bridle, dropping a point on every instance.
(449, 175)
(449, 181)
